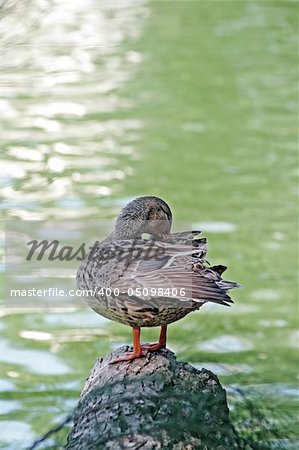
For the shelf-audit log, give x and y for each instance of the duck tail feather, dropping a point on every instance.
(219, 269)
(226, 285)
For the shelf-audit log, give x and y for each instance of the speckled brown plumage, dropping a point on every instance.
(172, 262)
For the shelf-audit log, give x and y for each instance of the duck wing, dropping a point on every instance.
(181, 273)
(180, 284)
(108, 263)
(177, 267)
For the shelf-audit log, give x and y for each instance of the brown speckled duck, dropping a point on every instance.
(150, 282)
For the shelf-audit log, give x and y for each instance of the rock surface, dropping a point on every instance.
(154, 402)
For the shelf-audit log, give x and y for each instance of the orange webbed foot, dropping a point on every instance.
(141, 350)
(152, 347)
(156, 346)
(129, 356)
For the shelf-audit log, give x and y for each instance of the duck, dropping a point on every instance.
(143, 275)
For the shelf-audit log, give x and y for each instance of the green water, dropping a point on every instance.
(193, 101)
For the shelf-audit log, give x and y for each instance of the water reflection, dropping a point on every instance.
(35, 361)
(224, 369)
(226, 344)
(80, 318)
(215, 227)
(15, 434)
(8, 406)
(6, 385)
(59, 122)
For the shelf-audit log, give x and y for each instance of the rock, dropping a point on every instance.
(154, 402)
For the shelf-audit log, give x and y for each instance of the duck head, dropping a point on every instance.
(144, 215)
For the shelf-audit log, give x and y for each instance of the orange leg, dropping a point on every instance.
(158, 345)
(137, 350)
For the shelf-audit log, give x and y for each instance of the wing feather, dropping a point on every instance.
(178, 264)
